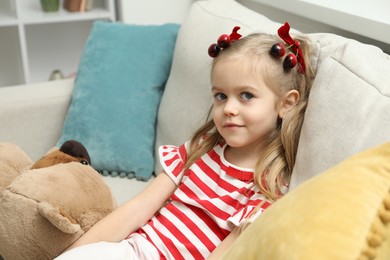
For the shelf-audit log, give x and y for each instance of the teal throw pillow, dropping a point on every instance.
(117, 92)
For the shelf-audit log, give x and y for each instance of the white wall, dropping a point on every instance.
(307, 25)
(153, 11)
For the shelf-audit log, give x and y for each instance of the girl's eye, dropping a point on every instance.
(246, 95)
(220, 96)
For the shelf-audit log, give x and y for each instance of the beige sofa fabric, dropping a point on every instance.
(348, 109)
(33, 115)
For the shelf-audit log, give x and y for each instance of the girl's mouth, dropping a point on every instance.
(231, 125)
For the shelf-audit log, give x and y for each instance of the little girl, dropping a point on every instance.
(232, 169)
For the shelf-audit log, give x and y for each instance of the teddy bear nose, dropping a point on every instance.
(75, 149)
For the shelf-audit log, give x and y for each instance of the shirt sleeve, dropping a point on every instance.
(173, 159)
(246, 213)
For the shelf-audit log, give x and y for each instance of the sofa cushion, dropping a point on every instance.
(341, 214)
(117, 91)
(22, 109)
(348, 108)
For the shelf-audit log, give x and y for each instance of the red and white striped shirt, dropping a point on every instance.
(213, 197)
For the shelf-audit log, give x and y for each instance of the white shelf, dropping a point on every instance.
(39, 17)
(369, 18)
(34, 43)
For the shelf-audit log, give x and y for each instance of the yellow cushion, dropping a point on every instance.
(343, 213)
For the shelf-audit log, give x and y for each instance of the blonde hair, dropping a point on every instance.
(273, 169)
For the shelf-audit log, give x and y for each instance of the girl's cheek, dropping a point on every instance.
(216, 110)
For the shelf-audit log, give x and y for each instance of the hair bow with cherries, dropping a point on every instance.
(295, 47)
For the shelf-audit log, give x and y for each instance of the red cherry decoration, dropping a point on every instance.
(213, 50)
(297, 44)
(223, 41)
(277, 50)
(290, 61)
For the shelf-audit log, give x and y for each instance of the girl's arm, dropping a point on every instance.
(224, 246)
(131, 215)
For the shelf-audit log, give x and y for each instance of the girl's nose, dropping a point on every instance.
(231, 108)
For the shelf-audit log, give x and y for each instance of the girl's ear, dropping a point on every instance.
(288, 102)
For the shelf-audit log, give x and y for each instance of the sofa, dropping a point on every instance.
(347, 114)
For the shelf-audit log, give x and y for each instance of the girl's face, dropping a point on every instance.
(245, 110)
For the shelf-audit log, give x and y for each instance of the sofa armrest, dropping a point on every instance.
(32, 116)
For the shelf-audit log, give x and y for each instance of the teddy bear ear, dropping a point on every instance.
(58, 218)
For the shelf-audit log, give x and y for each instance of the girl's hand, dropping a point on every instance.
(224, 246)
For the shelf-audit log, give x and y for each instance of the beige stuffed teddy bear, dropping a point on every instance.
(46, 206)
